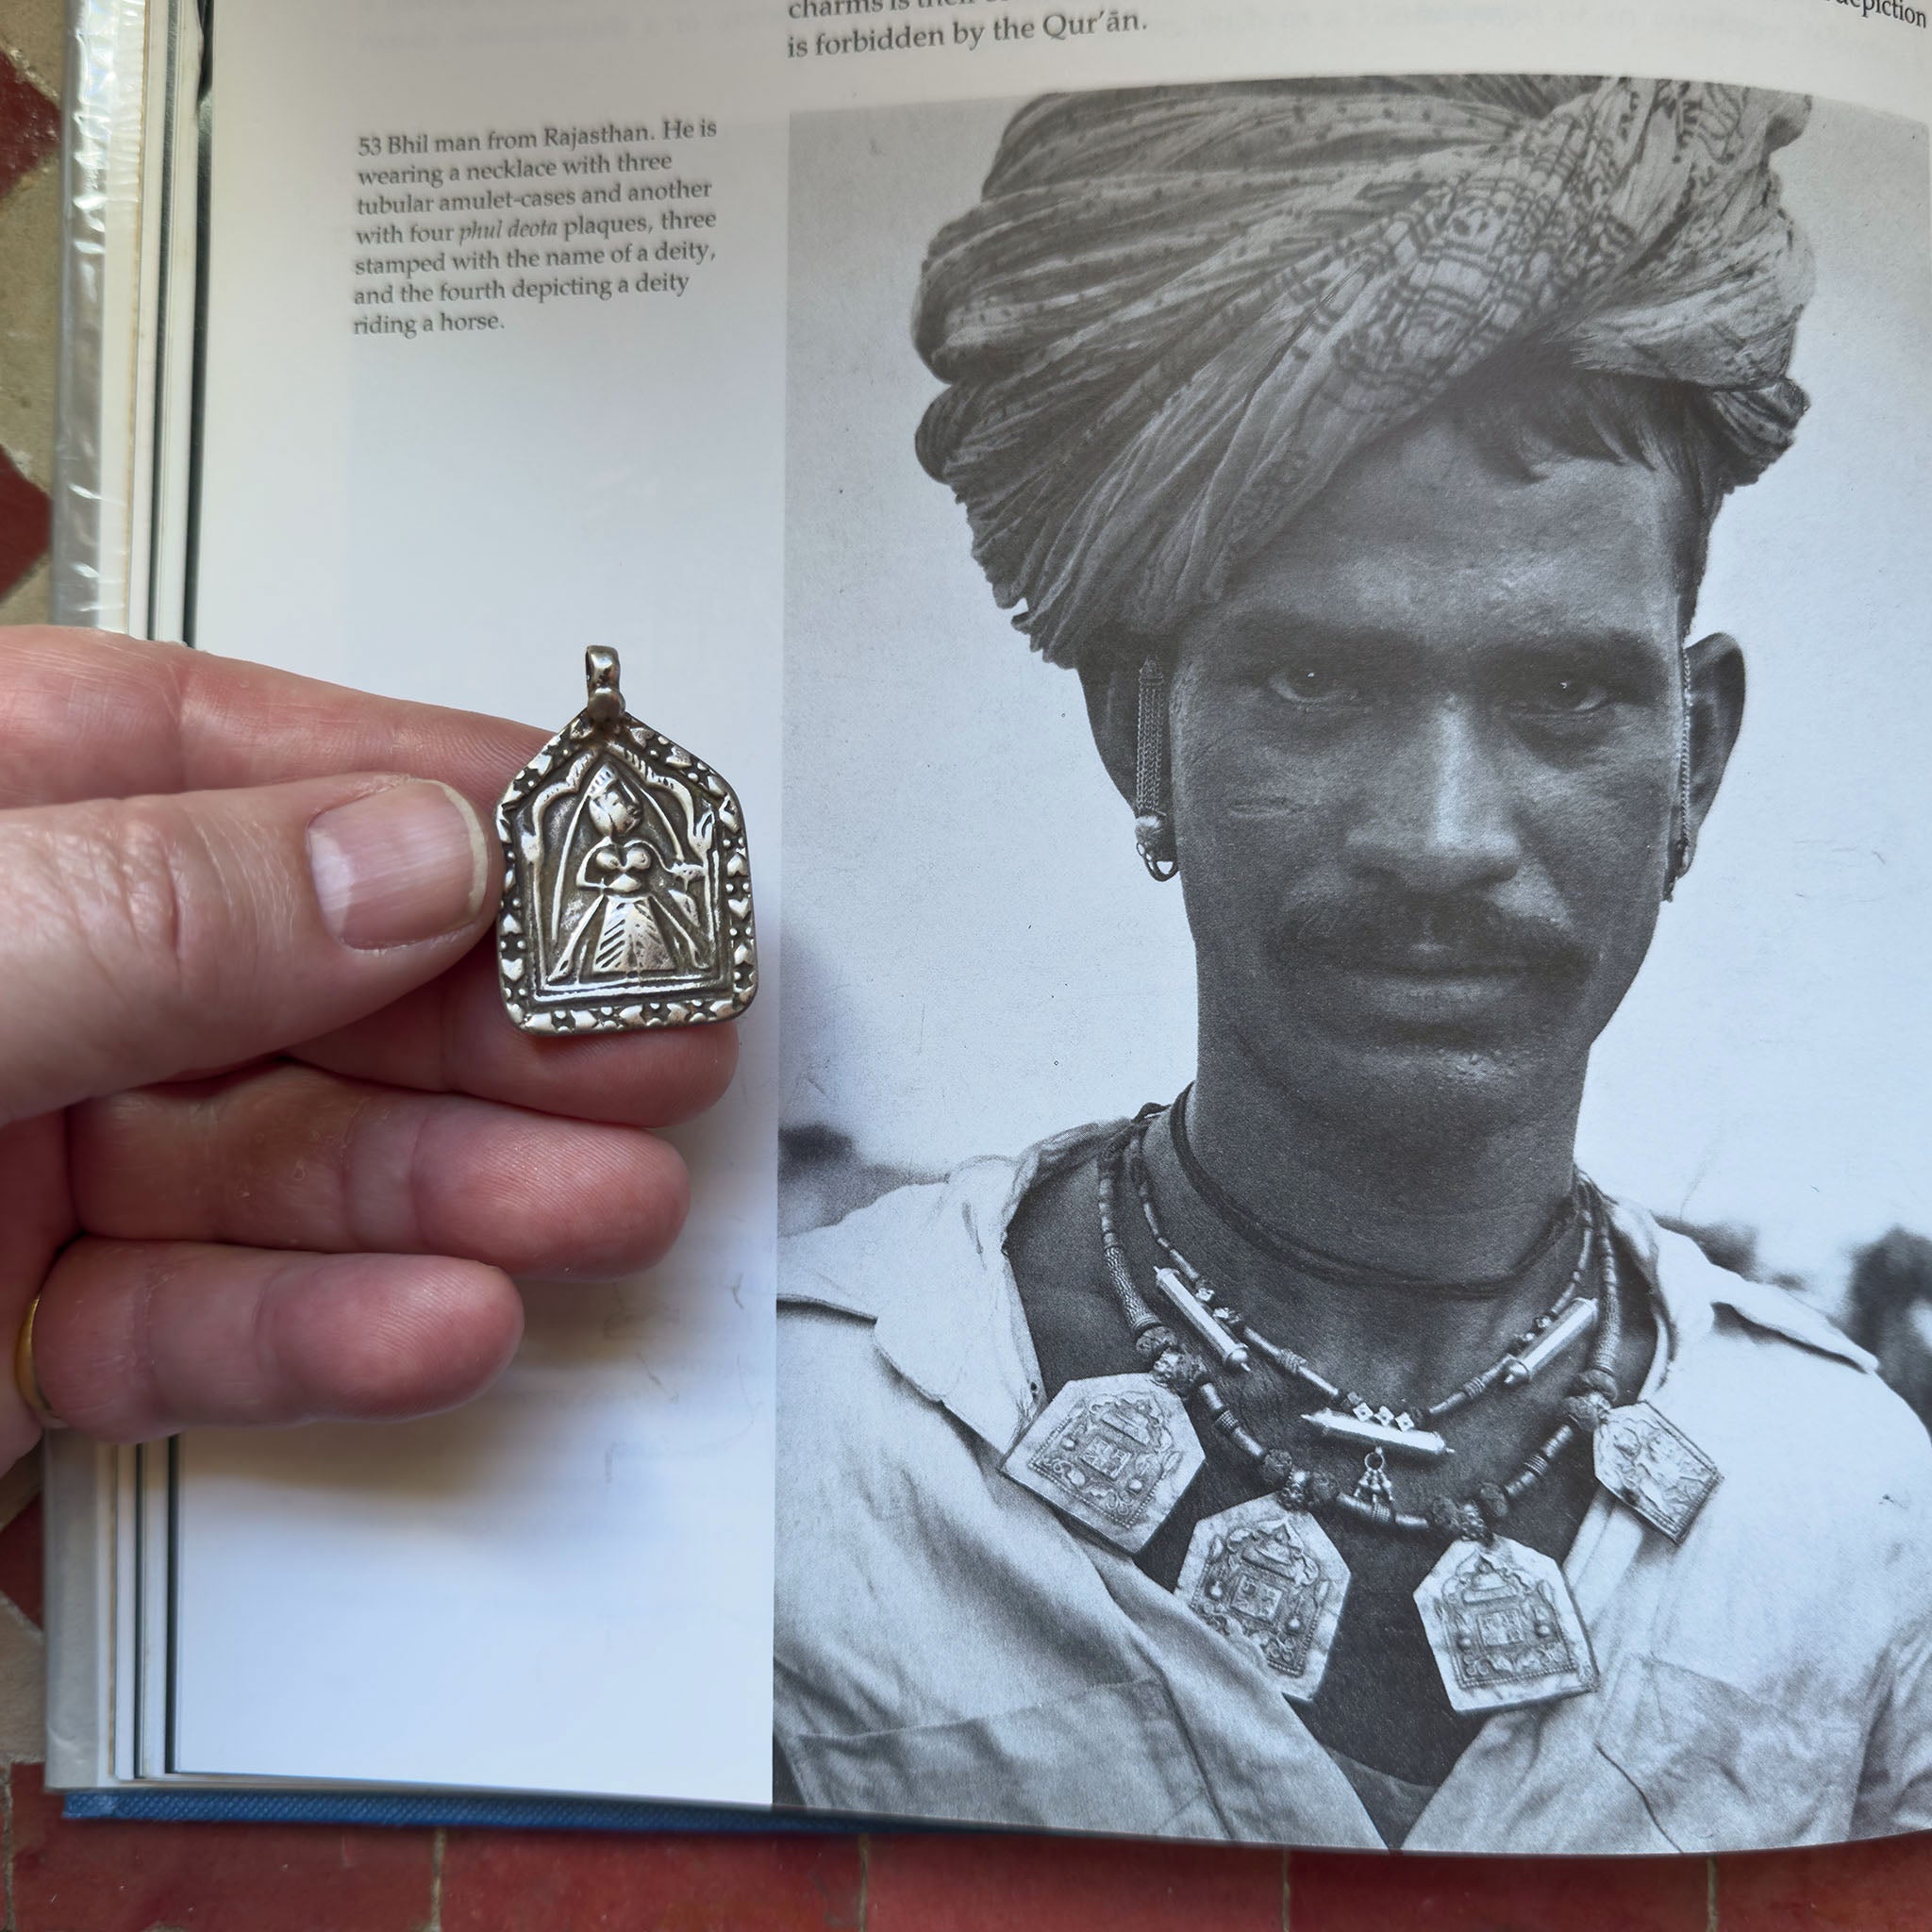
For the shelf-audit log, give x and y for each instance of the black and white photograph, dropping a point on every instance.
(1357, 1223)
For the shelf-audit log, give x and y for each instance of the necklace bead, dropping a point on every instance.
(1587, 1411)
(1183, 1373)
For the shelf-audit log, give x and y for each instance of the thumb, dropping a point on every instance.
(144, 937)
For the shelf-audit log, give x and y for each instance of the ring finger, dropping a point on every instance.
(135, 1340)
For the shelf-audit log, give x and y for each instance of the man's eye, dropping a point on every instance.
(1312, 684)
(1559, 694)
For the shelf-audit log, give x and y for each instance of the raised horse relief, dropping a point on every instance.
(628, 892)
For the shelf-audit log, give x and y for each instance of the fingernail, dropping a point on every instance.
(399, 866)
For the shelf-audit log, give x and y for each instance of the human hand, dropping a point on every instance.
(270, 1147)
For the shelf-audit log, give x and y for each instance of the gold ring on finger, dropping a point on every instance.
(26, 1374)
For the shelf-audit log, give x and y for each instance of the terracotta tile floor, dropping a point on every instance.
(118, 1877)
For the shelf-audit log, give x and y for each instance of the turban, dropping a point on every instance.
(1175, 312)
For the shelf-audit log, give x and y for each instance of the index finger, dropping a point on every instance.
(86, 714)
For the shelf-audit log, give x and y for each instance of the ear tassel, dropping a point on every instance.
(1153, 804)
(1680, 861)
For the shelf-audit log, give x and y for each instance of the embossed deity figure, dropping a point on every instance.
(635, 912)
(1320, 1458)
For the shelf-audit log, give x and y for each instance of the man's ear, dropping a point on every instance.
(1714, 678)
(1111, 683)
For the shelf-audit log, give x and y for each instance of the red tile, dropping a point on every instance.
(1337, 1891)
(101, 1876)
(562, 1881)
(25, 515)
(21, 1553)
(29, 125)
(974, 1883)
(1883, 1884)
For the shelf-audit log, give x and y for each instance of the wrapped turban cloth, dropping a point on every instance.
(1175, 312)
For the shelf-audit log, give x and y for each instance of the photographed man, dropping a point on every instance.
(1321, 1458)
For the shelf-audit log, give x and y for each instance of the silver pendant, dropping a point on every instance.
(1382, 1428)
(1578, 1318)
(627, 894)
(1113, 1452)
(1200, 1316)
(1266, 1575)
(1372, 1485)
(1504, 1628)
(1647, 1462)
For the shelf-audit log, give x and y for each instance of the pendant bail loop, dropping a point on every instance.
(601, 673)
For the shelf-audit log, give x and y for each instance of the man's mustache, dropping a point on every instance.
(1457, 932)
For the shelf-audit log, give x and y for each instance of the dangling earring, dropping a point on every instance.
(1680, 861)
(1152, 806)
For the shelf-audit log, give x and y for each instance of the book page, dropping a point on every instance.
(616, 326)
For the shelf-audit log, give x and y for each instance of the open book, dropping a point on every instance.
(1391, 428)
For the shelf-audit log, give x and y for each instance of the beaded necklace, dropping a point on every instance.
(1116, 1454)
(1408, 1428)
(1373, 1497)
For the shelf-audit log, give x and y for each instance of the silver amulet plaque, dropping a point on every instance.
(1652, 1467)
(1266, 1575)
(1503, 1627)
(1112, 1451)
(626, 892)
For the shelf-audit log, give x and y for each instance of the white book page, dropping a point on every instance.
(569, 1586)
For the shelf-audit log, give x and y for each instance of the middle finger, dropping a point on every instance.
(452, 1035)
(285, 1157)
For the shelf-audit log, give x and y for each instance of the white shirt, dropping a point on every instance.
(948, 1647)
